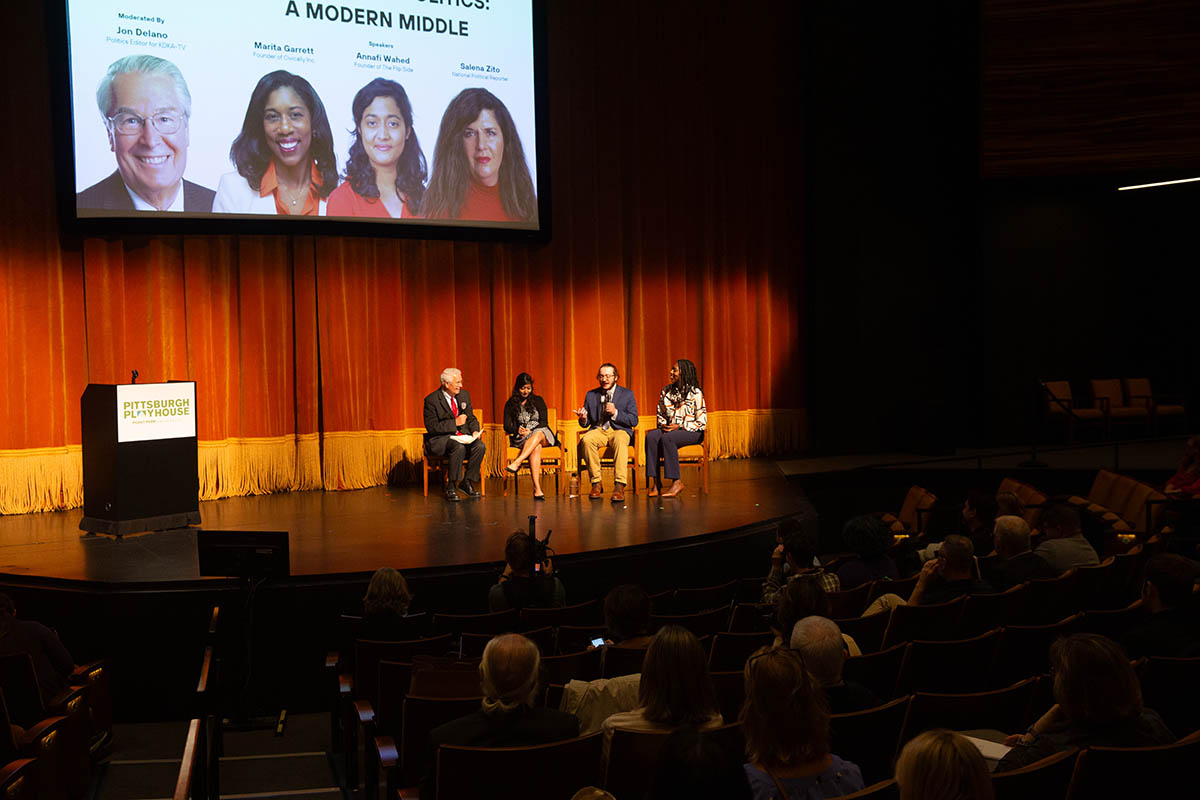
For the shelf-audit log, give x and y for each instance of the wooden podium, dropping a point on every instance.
(139, 457)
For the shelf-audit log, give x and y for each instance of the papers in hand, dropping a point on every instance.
(992, 751)
(465, 438)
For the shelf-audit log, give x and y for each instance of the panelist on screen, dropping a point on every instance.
(284, 154)
(146, 105)
(385, 176)
(479, 168)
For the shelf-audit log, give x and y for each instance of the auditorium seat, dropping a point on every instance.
(691, 601)
(589, 613)
(935, 622)
(731, 692)
(473, 643)
(884, 790)
(1092, 581)
(867, 632)
(633, 755)
(405, 765)
(1050, 599)
(1133, 771)
(1031, 497)
(438, 463)
(849, 602)
(552, 458)
(870, 738)
(1048, 778)
(556, 770)
(1113, 623)
(584, 665)
(622, 661)
(703, 623)
(54, 760)
(1025, 649)
(18, 779)
(1006, 710)
(18, 681)
(902, 587)
(961, 665)
(983, 612)
(495, 623)
(910, 518)
(750, 617)
(877, 671)
(1170, 687)
(730, 650)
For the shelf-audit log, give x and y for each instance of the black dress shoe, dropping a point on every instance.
(452, 495)
(468, 489)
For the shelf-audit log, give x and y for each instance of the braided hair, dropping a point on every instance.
(687, 381)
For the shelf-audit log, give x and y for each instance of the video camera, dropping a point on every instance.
(539, 548)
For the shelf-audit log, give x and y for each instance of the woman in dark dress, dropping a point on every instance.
(527, 424)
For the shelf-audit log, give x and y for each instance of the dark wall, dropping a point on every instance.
(938, 298)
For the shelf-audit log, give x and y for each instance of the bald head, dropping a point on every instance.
(1010, 536)
(819, 641)
(509, 672)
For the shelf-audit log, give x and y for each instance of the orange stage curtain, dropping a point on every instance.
(675, 164)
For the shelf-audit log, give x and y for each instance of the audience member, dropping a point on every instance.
(520, 585)
(507, 717)
(694, 766)
(627, 616)
(385, 608)
(1171, 627)
(1186, 479)
(794, 556)
(1098, 701)
(786, 725)
(819, 641)
(1008, 504)
(979, 517)
(1014, 562)
(675, 687)
(51, 661)
(942, 765)
(804, 597)
(948, 576)
(869, 539)
(1064, 547)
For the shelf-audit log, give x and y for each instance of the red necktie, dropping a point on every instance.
(454, 408)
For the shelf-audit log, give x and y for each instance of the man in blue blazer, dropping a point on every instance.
(610, 414)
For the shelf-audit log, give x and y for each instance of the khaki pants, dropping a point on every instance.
(596, 440)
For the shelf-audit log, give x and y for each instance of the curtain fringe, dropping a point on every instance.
(41, 479)
(51, 479)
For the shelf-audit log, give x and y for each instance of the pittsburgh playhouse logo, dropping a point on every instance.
(141, 411)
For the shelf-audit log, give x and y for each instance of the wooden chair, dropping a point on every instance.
(473, 643)
(1050, 599)
(704, 623)
(731, 692)
(405, 765)
(871, 738)
(431, 463)
(1169, 687)
(1138, 393)
(368, 654)
(496, 622)
(1125, 771)
(607, 456)
(1060, 404)
(1047, 779)
(552, 458)
(1113, 623)
(983, 612)
(1092, 581)
(910, 518)
(1025, 649)
(1110, 398)
(573, 638)
(884, 790)
(545, 770)
(730, 650)
(849, 602)
(877, 671)
(622, 661)
(589, 613)
(902, 587)
(691, 601)
(460, 682)
(936, 622)
(52, 759)
(1002, 709)
(584, 665)
(867, 632)
(18, 779)
(19, 683)
(962, 665)
(633, 755)
(695, 455)
(750, 617)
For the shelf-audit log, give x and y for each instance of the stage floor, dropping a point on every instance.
(357, 531)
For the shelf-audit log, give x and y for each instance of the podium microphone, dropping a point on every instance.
(133, 376)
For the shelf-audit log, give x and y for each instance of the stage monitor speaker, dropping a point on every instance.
(243, 554)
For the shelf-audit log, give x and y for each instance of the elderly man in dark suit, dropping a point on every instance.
(448, 413)
(146, 105)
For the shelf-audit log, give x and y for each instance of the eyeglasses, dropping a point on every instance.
(129, 124)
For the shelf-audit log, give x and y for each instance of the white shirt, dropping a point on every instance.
(141, 205)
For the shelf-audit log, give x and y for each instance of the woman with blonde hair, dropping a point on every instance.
(942, 765)
(786, 725)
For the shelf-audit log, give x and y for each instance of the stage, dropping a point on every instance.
(353, 532)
